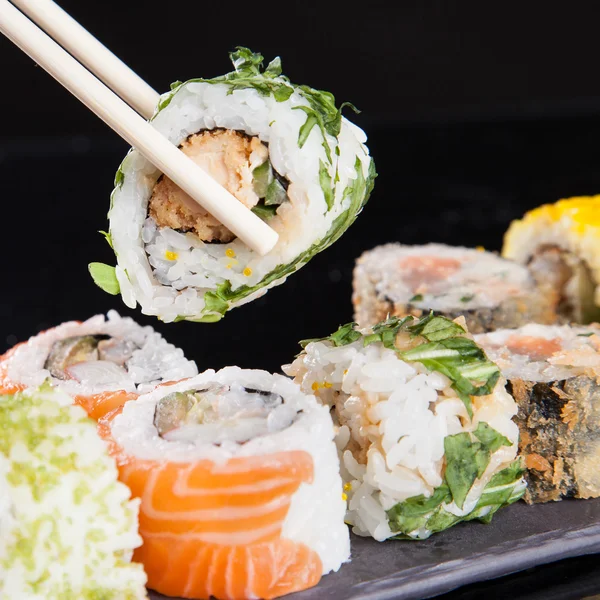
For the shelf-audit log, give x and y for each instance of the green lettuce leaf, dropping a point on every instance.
(345, 335)
(326, 186)
(387, 331)
(459, 358)
(415, 513)
(467, 460)
(435, 328)
(428, 515)
(105, 277)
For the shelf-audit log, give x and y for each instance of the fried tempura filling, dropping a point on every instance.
(230, 158)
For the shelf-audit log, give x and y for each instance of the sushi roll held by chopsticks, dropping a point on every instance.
(560, 244)
(67, 525)
(425, 425)
(239, 480)
(553, 374)
(488, 291)
(101, 363)
(283, 150)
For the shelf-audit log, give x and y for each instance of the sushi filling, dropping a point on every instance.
(240, 163)
(186, 246)
(98, 357)
(424, 274)
(571, 278)
(218, 413)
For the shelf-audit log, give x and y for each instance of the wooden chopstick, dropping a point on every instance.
(94, 55)
(254, 232)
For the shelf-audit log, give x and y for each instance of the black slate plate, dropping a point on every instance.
(518, 538)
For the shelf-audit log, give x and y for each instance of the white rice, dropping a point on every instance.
(154, 361)
(578, 354)
(316, 515)
(175, 287)
(393, 417)
(67, 525)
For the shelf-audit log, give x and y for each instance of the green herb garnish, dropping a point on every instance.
(345, 335)
(427, 515)
(266, 213)
(467, 298)
(446, 351)
(105, 277)
(108, 238)
(417, 298)
(467, 460)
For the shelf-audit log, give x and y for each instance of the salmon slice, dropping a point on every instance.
(6, 385)
(419, 270)
(536, 348)
(215, 529)
(182, 568)
(98, 405)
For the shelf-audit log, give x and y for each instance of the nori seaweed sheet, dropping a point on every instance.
(559, 423)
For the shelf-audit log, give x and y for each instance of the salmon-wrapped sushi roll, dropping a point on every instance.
(553, 373)
(239, 480)
(488, 291)
(101, 362)
(283, 150)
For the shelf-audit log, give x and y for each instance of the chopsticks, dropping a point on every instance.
(90, 52)
(126, 122)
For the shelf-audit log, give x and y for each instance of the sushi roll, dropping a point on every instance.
(283, 150)
(101, 363)
(239, 480)
(67, 525)
(560, 244)
(488, 291)
(425, 425)
(553, 374)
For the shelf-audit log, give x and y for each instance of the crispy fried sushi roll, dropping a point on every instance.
(283, 150)
(488, 291)
(239, 480)
(101, 363)
(553, 374)
(560, 244)
(425, 425)
(67, 525)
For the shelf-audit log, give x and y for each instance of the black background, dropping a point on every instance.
(475, 112)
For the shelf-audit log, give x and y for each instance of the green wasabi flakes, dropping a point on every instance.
(50, 452)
